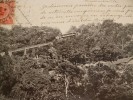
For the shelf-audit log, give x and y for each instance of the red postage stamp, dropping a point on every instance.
(7, 10)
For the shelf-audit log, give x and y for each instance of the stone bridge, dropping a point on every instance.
(24, 49)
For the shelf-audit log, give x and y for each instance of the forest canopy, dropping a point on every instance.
(87, 63)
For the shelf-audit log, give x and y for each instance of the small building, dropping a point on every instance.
(68, 35)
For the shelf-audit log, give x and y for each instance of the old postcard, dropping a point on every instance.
(66, 49)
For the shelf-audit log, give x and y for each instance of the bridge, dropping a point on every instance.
(63, 36)
(26, 48)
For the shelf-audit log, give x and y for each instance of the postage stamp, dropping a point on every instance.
(7, 10)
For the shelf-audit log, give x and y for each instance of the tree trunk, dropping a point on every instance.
(66, 86)
(122, 45)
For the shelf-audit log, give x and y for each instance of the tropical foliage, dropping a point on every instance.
(73, 68)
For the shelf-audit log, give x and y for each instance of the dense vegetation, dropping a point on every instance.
(72, 68)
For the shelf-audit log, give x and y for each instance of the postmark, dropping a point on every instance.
(7, 8)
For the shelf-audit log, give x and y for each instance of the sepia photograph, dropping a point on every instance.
(66, 49)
